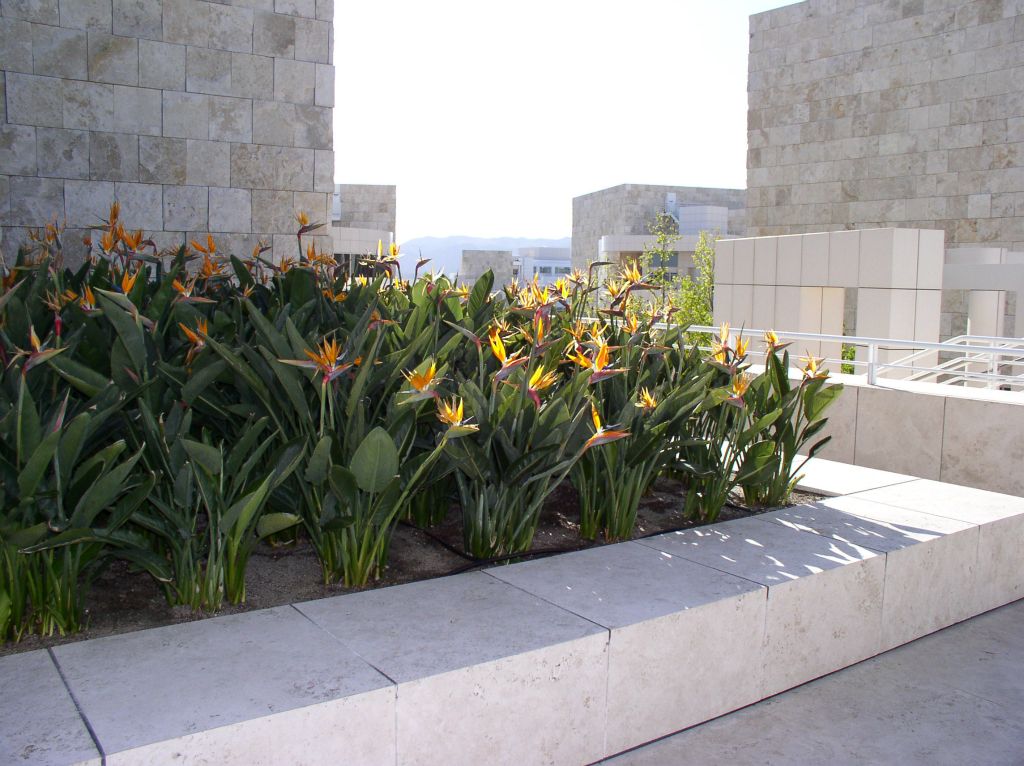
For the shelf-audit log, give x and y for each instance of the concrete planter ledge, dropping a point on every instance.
(563, 660)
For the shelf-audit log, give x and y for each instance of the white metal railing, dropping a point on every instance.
(1003, 358)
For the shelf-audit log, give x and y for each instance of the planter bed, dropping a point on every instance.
(561, 660)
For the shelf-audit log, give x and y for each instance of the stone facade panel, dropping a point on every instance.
(272, 211)
(185, 208)
(138, 18)
(35, 201)
(63, 153)
(86, 14)
(294, 81)
(208, 71)
(87, 203)
(230, 210)
(311, 40)
(59, 52)
(113, 59)
(15, 45)
(251, 76)
(138, 110)
(35, 100)
(186, 22)
(39, 11)
(17, 150)
(162, 160)
(273, 35)
(186, 115)
(273, 122)
(231, 28)
(231, 119)
(113, 157)
(141, 205)
(313, 127)
(161, 65)
(208, 163)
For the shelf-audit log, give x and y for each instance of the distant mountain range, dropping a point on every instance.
(445, 253)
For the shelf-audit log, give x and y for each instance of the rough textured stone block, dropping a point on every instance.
(186, 22)
(310, 696)
(208, 163)
(36, 201)
(113, 157)
(478, 640)
(161, 65)
(230, 119)
(230, 210)
(63, 153)
(86, 14)
(305, 8)
(186, 115)
(137, 110)
(17, 150)
(89, 106)
(15, 45)
(231, 28)
(314, 204)
(113, 59)
(323, 174)
(311, 42)
(272, 211)
(274, 123)
(824, 596)
(34, 100)
(162, 160)
(208, 71)
(659, 610)
(185, 208)
(273, 35)
(138, 18)
(141, 205)
(59, 52)
(87, 203)
(313, 126)
(39, 11)
(5, 201)
(325, 10)
(971, 428)
(324, 85)
(41, 723)
(294, 81)
(251, 76)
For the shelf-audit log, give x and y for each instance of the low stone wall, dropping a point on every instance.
(961, 436)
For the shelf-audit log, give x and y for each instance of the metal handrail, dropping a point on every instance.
(873, 345)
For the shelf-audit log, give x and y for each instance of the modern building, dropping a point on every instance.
(614, 224)
(546, 264)
(362, 215)
(198, 117)
(866, 114)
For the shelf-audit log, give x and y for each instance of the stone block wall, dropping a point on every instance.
(366, 206)
(867, 113)
(476, 262)
(630, 208)
(199, 117)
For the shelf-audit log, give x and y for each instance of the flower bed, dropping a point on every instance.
(171, 410)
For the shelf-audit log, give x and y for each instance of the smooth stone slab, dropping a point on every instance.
(666, 616)
(828, 477)
(924, 704)
(814, 624)
(264, 687)
(999, 577)
(486, 673)
(39, 723)
(930, 560)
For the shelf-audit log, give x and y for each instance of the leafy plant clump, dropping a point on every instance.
(171, 409)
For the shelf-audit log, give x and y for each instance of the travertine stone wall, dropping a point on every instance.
(367, 206)
(198, 116)
(630, 208)
(867, 113)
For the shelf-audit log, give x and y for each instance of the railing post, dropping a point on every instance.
(872, 364)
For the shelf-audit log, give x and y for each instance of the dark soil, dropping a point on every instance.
(120, 600)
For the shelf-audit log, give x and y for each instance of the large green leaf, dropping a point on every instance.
(375, 462)
(208, 457)
(272, 523)
(319, 462)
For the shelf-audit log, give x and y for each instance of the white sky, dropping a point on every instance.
(491, 117)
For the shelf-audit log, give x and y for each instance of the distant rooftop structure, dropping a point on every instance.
(547, 264)
(361, 216)
(615, 223)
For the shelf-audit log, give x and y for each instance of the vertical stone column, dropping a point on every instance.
(199, 117)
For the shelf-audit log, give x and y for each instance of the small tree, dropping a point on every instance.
(656, 258)
(693, 297)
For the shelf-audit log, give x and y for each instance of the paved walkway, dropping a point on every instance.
(955, 697)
